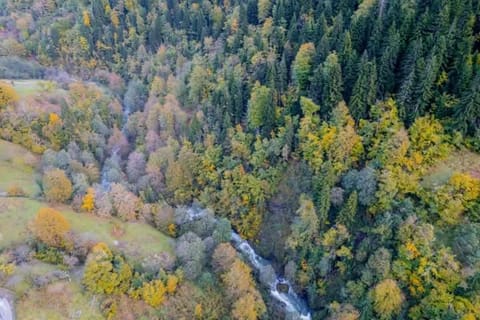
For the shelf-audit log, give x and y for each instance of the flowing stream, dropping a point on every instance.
(295, 307)
(6, 312)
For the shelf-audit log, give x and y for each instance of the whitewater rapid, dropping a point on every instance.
(6, 312)
(294, 306)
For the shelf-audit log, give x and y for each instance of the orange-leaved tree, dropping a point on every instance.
(51, 227)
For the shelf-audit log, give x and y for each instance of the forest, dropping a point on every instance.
(240, 159)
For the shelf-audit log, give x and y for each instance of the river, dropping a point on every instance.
(294, 306)
(6, 312)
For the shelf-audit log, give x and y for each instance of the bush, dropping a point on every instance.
(8, 95)
(15, 191)
(51, 227)
(56, 186)
(190, 251)
(105, 272)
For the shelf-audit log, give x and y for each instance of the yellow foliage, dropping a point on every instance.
(7, 268)
(102, 251)
(172, 230)
(51, 227)
(234, 25)
(428, 140)
(114, 19)
(328, 137)
(106, 273)
(88, 203)
(387, 298)
(416, 288)
(466, 185)
(83, 43)
(172, 282)
(452, 198)
(245, 309)
(53, 119)
(8, 95)
(442, 78)
(86, 18)
(153, 293)
(412, 249)
(198, 311)
(469, 316)
(336, 142)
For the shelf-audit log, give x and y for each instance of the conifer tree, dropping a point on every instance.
(332, 84)
(346, 216)
(365, 89)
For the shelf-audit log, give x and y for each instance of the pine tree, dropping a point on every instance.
(467, 112)
(365, 89)
(252, 12)
(332, 84)
(346, 216)
(349, 61)
(388, 61)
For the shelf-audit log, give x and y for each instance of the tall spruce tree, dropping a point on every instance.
(365, 89)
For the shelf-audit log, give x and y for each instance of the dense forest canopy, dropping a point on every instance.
(320, 130)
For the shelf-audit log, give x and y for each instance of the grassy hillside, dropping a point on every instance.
(459, 161)
(137, 241)
(17, 168)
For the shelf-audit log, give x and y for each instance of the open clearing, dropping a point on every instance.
(137, 241)
(58, 301)
(28, 87)
(459, 161)
(17, 167)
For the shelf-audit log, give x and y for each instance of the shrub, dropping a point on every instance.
(15, 191)
(88, 203)
(153, 293)
(8, 95)
(51, 227)
(105, 272)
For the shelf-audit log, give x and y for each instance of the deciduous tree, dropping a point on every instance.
(51, 227)
(56, 186)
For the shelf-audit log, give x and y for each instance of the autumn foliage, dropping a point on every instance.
(106, 272)
(51, 227)
(388, 298)
(8, 95)
(88, 203)
(56, 186)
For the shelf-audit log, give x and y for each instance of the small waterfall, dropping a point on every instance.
(295, 307)
(6, 312)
